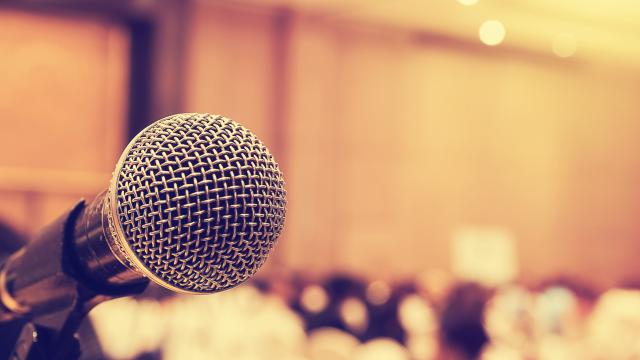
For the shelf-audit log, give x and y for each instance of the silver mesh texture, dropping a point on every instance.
(201, 201)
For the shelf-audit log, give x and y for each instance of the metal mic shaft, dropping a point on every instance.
(98, 250)
(59, 268)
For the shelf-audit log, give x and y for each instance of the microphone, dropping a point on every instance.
(195, 204)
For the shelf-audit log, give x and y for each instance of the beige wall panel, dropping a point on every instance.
(230, 66)
(315, 208)
(395, 145)
(597, 224)
(57, 84)
(63, 100)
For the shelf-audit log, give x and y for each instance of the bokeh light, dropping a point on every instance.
(416, 315)
(381, 349)
(492, 32)
(314, 299)
(468, 2)
(331, 343)
(353, 313)
(564, 45)
(378, 292)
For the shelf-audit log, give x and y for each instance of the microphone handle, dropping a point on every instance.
(97, 251)
(67, 265)
(38, 278)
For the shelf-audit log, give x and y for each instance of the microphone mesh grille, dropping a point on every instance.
(201, 201)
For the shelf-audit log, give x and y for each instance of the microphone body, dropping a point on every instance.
(195, 204)
(68, 264)
(97, 249)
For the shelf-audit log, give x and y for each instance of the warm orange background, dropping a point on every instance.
(394, 131)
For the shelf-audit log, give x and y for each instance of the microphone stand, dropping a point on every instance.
(50, 331)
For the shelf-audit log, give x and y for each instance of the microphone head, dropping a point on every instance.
(196, 203)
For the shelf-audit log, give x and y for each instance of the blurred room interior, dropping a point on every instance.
(426, 145)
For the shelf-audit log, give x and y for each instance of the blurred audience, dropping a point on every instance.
(347, 317)
(461, 322)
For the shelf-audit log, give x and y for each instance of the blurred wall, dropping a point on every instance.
(393, 143)
(230, 66)
(413, 141)
(390, 142)
(63, 103)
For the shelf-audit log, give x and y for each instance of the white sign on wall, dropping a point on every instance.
(486, 255)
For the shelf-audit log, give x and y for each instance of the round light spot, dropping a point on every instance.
(314, 299)
(468, 2)
(353, 313)
(416, 316)
(331, 343)
(492, 32)
(564, 45)
(378, 292)
(381, 349)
